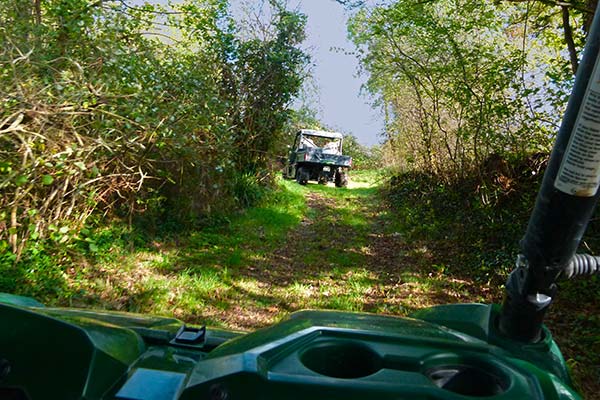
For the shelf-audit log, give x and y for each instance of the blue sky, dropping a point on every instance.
(341, 105)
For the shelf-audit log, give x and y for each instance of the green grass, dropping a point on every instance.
(192, 276)
(246, 272)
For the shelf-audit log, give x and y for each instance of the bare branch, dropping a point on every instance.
(569, 39)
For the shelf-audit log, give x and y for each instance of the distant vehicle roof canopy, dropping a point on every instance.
(312, 132)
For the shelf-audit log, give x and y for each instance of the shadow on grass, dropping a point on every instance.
(344, 253)
(415, 245)
(313, 247)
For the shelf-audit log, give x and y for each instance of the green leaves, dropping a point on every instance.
(5, 167)
(47, 180)
(261, 81)
(456, 81)
(21, 180)
(163, 122)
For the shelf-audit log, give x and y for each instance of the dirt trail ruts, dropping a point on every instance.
(365, 265)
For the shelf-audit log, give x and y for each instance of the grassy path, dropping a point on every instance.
(310, 247)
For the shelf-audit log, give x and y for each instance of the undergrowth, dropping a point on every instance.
(137, 267)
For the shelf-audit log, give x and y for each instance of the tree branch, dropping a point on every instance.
(569, 39)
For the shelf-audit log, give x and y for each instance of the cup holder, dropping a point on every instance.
(345, 360)
(469, 380)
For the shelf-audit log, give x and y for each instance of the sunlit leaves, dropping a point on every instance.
(458, 80)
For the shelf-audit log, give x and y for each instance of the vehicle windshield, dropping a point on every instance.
(329, 145)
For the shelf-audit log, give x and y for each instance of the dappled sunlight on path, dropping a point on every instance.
(317, 247)
(344, 254)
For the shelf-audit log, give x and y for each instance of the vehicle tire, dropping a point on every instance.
(302, 176)
(341, 179)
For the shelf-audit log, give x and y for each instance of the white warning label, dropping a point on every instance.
(579, 172)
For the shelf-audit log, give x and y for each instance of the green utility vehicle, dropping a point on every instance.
(317, 156)
(459, 352)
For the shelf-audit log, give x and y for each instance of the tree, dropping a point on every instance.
(582, 12)
(455, 80)
(268, 74)
(103, 112)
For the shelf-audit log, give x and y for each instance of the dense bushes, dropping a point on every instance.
(471, 224)
(106, 107)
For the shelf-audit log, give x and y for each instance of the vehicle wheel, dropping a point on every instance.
(302, 176)
(341, 179)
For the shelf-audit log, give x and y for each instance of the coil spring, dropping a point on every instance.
(582, 264)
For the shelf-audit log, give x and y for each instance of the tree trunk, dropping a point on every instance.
(591, 5)
(568, 31)
(37, 9)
